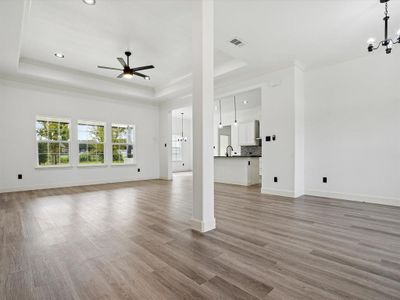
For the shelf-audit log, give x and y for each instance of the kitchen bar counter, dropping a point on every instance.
(237, 156)
(241, 170)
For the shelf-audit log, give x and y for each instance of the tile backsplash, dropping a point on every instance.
(250, 150)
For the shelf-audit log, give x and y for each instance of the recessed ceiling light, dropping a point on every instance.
(147, 78)
(59, 55)
(245, 101)
(89, 2)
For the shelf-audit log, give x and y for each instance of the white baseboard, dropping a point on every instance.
(68, 184)
(278, 192)
(355, 197)
(230, 182)
(202, 226)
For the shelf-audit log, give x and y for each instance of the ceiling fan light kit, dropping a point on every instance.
(387, 42)
(89, 2)
(127, 71)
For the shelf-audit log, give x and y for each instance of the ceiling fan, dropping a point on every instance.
(127, 71)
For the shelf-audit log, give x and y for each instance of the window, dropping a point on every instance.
(91, 143)
(52, 136)
(123, 144)
(176, 148)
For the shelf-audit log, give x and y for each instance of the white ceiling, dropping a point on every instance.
(252, 98)
(314, 33)
(157, 32)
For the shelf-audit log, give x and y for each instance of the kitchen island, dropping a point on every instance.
(240, 170)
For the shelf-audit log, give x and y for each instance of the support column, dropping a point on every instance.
(203, 115)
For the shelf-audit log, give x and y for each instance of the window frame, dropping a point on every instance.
(104, 143)
(48, 142)
(134, 162)
(175, 139)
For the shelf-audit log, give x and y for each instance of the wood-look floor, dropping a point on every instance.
(133, 241)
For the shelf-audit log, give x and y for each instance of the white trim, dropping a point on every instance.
(92, 165)
(123, 164)
(70, 184)
(44, 167)
(355, 197)
(93, 123)
(278, 192)
(53, 119)
(232, 182)
(202, 226)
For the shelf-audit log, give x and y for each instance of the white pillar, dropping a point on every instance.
(203, 98)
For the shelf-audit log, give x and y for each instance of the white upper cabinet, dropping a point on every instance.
(248, 132)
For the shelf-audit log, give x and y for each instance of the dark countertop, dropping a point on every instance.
(237, 156)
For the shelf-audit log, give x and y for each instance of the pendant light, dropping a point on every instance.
(220, 115)
(182, 138)
(387, 42)
(234, 104)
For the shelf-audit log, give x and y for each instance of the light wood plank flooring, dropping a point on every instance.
(133, 241)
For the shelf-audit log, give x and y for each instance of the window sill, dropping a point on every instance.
(121, 165)
(54, 167)
(92, 166)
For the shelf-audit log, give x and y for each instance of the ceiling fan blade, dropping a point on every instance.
(122, 62)
(139, 74)
(108, 68)
(120, 75)
(143, 68)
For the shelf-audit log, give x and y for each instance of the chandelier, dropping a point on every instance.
(182, 138)
(387, 42)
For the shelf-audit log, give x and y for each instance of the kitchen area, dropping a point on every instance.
(237, 143)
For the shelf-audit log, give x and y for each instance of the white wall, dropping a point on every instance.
(21, 103)
(165, 136)
(353, 129)
(186, 163)
(2, 137)
(278, 118)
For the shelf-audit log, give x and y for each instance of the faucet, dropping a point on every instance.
(227, 148)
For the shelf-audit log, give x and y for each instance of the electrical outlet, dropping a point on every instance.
(267, 138)
(138, 170)
(324, 179)
(275, 179)
(19, 176)
(165, 145)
